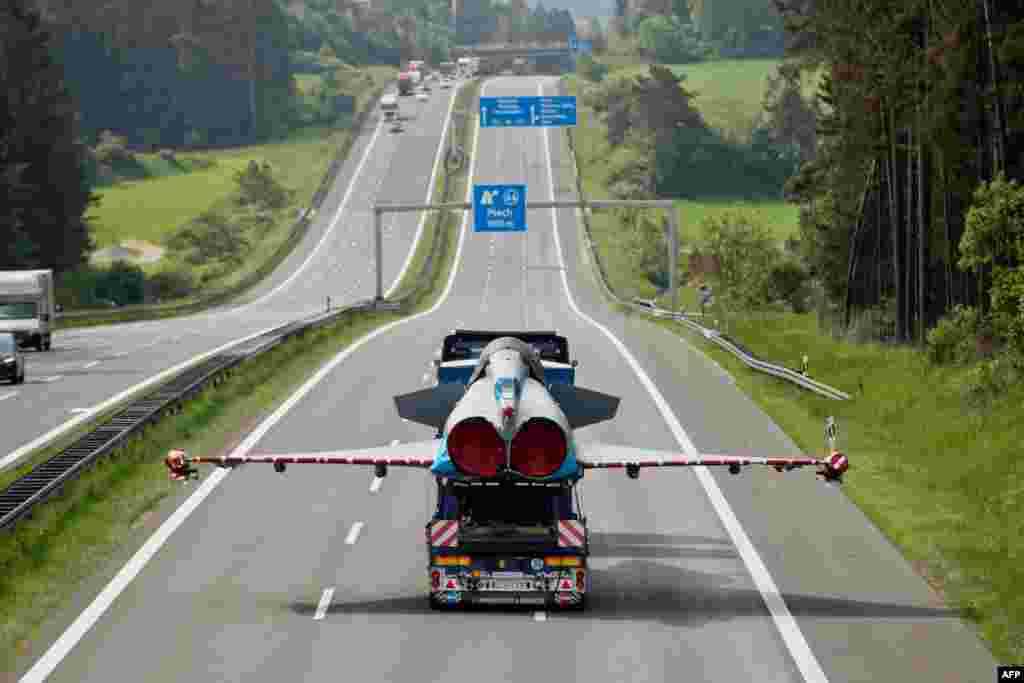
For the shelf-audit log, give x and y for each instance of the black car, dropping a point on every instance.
(12, 360)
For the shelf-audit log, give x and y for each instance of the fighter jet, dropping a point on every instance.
(512, 418)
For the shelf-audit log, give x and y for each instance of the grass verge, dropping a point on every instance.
(200, 191)
(74, 536)
(597, 159)
(940, 476)
(937, 473)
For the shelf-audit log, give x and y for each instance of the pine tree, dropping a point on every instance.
(44, 192)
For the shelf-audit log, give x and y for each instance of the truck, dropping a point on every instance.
(405, 84)
(507, 542)
(389, 105)
(447, 69)
(27, 306)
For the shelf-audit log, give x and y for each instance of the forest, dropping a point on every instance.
(911, 208)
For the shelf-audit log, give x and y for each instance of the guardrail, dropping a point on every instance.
(50, 477)
(135, 312)
(714, 336)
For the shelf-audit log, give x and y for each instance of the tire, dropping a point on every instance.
(39, 343)
(46, 343)
(20, 379)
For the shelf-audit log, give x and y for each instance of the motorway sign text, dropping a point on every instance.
(499, 208)
(497, 112)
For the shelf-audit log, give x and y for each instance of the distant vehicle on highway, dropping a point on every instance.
(405, 84)
(422, 95)
(27, 307)
(12, 360)
(396, 125)
(389, 105)
(446, 83)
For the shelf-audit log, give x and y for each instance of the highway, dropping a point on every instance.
(697, 576)
(88, 366)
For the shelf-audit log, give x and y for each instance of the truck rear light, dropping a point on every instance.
(435, 579)
(581, 580)
(562, 561)
(453, 560)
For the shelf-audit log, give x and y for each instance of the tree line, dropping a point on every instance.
(160, 75)
(921, 118)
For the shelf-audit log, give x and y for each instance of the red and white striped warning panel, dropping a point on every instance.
(571, 534)
(444, 533)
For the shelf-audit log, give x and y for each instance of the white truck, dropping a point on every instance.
(389, 105)
(27, 307)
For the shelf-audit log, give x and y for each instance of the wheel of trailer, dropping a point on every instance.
(46, 344)
(435, 604)
(39, 343)
(20, 379)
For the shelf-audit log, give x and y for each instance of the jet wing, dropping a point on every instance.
(606, 456)
(419, 454)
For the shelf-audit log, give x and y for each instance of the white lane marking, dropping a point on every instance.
(77, 630)
(51, 378)
(426, 376)
(79, 410)
(375, 484)
(540, 616)
(9, 394)
(395, 442)
(809, 667)
(353, 181)
(20, 452)
(430, 194)
(325, 602)
(353, 533)
(90, 364)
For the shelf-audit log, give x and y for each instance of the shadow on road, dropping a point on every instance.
(638, 589)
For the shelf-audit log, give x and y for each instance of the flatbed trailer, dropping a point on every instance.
(520, 543)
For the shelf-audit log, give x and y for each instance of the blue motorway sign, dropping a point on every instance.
(499, 208)
(497, 112)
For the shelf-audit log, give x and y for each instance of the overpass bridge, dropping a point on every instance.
(523, 58)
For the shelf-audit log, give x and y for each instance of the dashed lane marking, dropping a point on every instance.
(9, 394)
(540, 616)
(325, 602)
(90, 364)
(353, 533)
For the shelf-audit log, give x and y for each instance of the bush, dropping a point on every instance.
(122, 283)
(210, 237)
(587, 67)
(112, 148)
(993, 378)
(953, 339)
(788, 282)
(168, 156)
(747, 253)
(171, 284)
(257, 185)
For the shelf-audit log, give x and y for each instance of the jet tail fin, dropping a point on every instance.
(584, 407)
(431, 406)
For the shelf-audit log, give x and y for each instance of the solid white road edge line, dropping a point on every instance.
(9, 394)
(430, 193)
(353, 533)
(376, 484)
(805, 660)
(77, 630)
(325, 602)
(17, 454)
(330, 228)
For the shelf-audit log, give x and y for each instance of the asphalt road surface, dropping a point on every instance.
(87, 366)
(696, 576)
